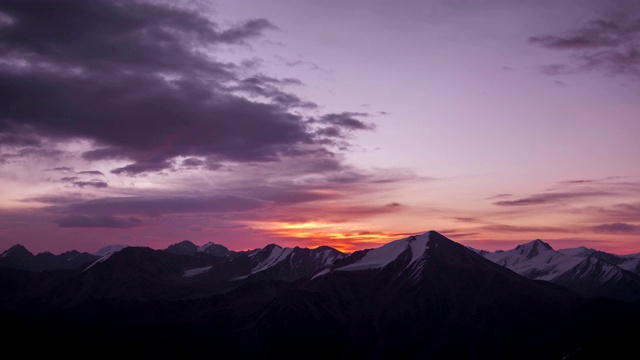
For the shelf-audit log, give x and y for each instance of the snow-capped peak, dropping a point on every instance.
(579, 251)
(535, 259)
(382, 256)
(533, 248)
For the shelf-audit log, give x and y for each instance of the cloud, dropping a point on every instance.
(142, 167)
(57, 199)
(609, 183)
(528, 229)
(19, 140)
(551, 198)
(192, 162)
(145, 86)
(80, 221)
(90, 172)
(610, 44)
(98, 184)
(617, 228)
(500, 196)
(155, 206)
(615, 213)
(347, 120)
(63, 169)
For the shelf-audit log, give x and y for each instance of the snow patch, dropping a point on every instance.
(382, 256)
(277, 254)
(197, 271)
(104, 258)
(547, 264)
(109, 250)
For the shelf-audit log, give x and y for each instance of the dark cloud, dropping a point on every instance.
(393, 205)
(500, 196)
(61, 169)
(309, 65)
(81, 221)
(457, 233)
(239, 34)
(529, 229)
(551, 198)
(336, 127)
(617, 228)
(468, 219)
(155, 206)
(142, 167)
(578, 182)
(19, 140)
(347, 120)
(98, 184)
(90, 172)
(192, 162)
(615, 213)
(213, 164)
(610, 44)
(140, 82)
(271, 88)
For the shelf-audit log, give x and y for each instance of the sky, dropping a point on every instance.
(346, 123)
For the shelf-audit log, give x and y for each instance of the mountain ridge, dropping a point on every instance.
(423, 296)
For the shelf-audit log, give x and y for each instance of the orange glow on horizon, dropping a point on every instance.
(345, 238)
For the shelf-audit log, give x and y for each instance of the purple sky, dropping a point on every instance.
(338, 122)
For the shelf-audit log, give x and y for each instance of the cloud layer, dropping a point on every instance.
(142, 83)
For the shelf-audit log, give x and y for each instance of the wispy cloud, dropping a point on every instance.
(81, 221)
(552, 198)
(610, 44)
(617, 228)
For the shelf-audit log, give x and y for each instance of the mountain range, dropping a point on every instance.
(424, 296)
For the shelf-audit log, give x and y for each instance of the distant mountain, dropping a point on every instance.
(588, 272)
(627, 262)
(423, 296)
(288, 264)
(109, 249)
(18, 257)
(186, 247)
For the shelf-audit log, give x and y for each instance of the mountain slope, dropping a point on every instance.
(18, 257)
(424, 296)
(626, 262)
(427, 297)
(582, 270)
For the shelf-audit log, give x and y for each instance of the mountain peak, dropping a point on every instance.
(184, 247)
(17, 252)
(533, 248)
(214, 249)
(384, 255)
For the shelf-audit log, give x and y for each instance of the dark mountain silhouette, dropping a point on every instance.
(18, 257)
(422, 297)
